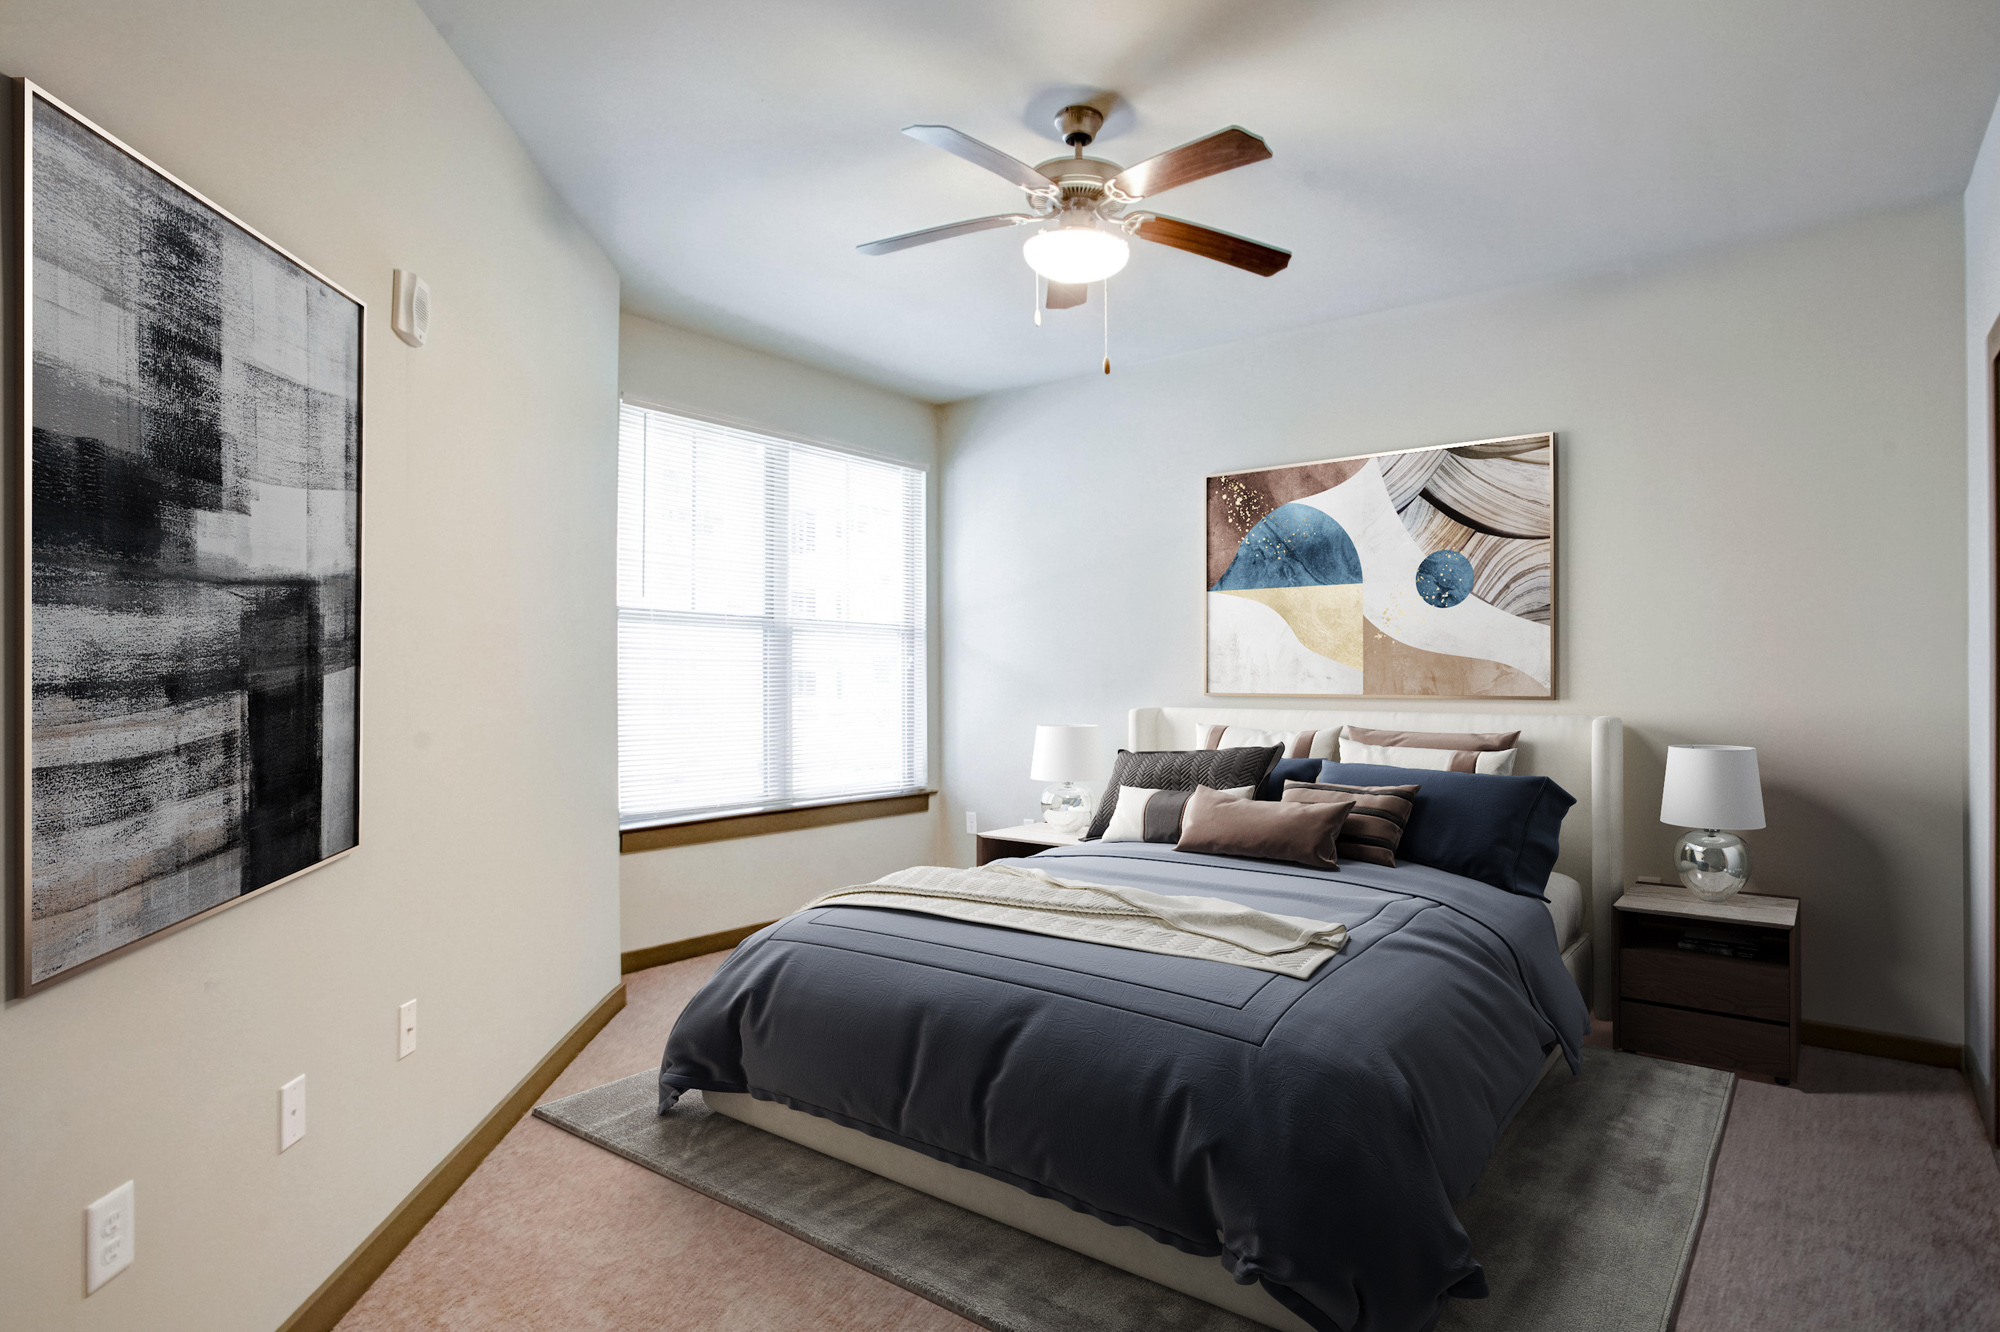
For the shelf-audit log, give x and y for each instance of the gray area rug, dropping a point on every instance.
(1585, 1220)
(1587, 1215)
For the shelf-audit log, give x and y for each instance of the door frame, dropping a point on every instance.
(1991, 851)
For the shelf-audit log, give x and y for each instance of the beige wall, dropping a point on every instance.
(485, 886)
(1761, 471)
(684, 892)
(1982, 312)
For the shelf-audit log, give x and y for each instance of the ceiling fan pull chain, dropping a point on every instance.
(1036, 279)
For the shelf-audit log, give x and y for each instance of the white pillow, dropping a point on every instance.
(1298, 744)
(1128, 816)
(1500, 761)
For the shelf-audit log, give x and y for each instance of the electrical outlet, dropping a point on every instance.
(107, 1237)
(291, 1112)
(406, 1029)
(972, 823)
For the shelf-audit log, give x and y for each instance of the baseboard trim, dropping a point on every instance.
(682, 949)
(1882, 1044)
(351, 1280)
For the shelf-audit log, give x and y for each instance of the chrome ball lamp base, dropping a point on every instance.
(1066, 807)
(1713, 865)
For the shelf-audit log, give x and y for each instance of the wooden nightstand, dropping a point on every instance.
(1024, 840)
(1713, 983)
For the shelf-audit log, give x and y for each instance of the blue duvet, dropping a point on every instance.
(1313, 1134)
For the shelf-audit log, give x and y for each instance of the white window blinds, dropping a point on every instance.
(770, 622)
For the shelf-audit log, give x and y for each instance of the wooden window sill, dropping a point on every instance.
(757, 823)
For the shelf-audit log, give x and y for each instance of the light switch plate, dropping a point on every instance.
(291, 1112)
(406, 1029)
(108, 1236)
(972, 823)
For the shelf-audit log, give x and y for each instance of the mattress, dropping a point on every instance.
(1567, 908)
(1213, 1109)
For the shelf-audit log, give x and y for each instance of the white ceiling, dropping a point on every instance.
(730, 156)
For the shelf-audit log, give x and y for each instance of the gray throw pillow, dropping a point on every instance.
(1181, 770)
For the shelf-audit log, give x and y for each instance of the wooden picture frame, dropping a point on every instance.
(1416, 573)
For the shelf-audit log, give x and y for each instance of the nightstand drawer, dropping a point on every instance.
(1706, 1038)
(989, 849)
(1699, 980)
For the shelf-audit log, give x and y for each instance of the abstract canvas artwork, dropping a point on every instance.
(193, 513)
(1423, 573)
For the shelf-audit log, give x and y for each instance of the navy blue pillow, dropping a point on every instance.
(1287, 770)
(1499, 830)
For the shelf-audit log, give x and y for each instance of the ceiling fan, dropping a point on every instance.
(1086, 204)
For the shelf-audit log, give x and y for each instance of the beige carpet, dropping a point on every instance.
(553, 1234)
(1864, 1199)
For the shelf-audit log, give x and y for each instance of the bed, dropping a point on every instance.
(1287, 1149)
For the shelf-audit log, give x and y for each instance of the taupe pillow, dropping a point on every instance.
(1301, 833)
(1374, 826)
(1472, 740)
(1180, 770)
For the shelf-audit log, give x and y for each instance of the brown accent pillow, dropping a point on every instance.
(1300, 833)
(1374, 825)
(1476, 741)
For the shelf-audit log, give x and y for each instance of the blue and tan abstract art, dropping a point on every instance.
(1425, 573)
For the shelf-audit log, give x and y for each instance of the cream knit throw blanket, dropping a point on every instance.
(1025, 899)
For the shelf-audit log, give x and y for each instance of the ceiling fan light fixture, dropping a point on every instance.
(1076, 254)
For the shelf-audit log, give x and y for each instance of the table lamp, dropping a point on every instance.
(1066, 755)
(1712, 790)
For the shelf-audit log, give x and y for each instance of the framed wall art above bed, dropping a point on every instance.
(1425, 573)
(190, 525)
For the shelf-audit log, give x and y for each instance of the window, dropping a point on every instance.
(770, 622)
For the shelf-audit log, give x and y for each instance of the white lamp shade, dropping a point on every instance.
(1076, 254)
(1712, 786)
(1066, 754)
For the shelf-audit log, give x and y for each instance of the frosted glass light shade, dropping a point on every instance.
(1066, 754)
(1712, 786)
(1076, 254)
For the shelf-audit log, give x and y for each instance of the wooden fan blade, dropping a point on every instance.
(1064, 295)
(980, 154)
(1223, 150)
(946, 232)
(1209, 243)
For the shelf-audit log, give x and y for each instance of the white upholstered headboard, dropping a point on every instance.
(1583, 755)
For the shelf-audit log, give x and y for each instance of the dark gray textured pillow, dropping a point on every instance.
(1181, 770)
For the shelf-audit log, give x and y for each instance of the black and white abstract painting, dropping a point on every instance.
(194, 518)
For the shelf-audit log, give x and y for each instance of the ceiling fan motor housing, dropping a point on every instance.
(1078, 125)
(1081, 179)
